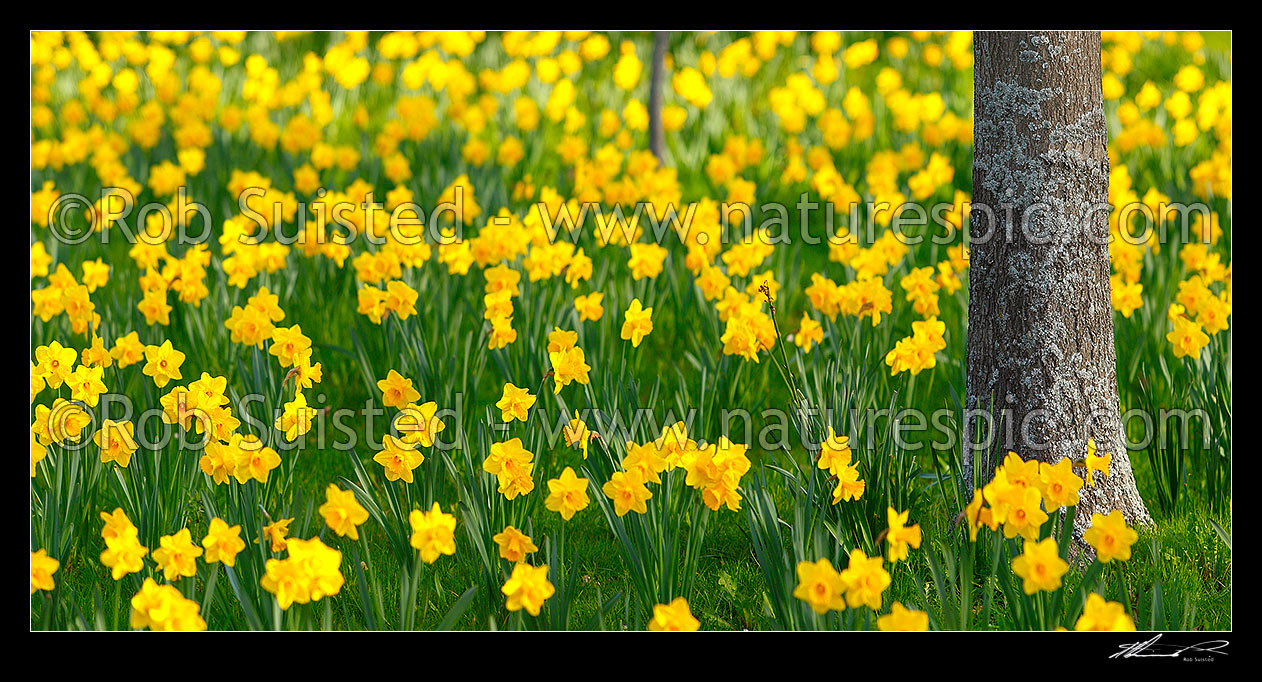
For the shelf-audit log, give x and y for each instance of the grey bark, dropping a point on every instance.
(1041, 356)
(657, 138)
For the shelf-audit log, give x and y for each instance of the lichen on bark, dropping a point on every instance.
(1041, 354)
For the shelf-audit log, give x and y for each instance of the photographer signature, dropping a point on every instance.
(1151, 649)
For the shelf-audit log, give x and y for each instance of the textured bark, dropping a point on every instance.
(657, 138)
(1041, 356)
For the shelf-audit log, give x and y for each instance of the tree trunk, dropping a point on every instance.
(657, 138)
(1041, 357)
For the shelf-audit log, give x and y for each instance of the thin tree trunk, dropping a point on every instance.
(657, 138)
(1041, 356)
